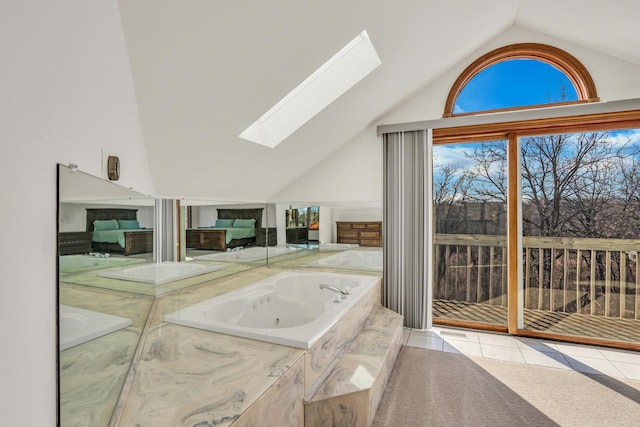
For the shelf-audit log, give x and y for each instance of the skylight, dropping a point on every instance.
(346, 68)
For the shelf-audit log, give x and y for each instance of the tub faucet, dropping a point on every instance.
(343, 294)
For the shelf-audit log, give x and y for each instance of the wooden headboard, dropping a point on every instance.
(242, 214)
(109, 213)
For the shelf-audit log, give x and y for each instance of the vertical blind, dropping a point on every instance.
(164, 221)
(407, 216)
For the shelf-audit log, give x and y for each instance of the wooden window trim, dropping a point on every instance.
(493, 131)
(565, 62)
(510, 131)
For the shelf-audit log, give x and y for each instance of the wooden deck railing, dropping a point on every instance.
(561, 274)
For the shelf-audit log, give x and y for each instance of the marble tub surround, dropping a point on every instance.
(350, 395)
(91, 378)
(189, 377)
(92, 373)
(326, 352)
(185, 376)
(281, 405)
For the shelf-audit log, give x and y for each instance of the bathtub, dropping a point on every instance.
(289, 308)
(78, 325)
(337, 246)
(81, 263)
(352, 259)
(247, 255)
(325, 246)
(162, 273)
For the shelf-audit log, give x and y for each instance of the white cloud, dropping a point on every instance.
(444, 155)
(622, 137)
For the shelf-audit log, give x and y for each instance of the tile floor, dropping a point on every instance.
(551, 354)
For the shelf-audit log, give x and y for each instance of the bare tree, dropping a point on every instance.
(489, 172)
(578, 185)
(451, 191)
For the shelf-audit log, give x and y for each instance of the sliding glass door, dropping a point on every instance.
(539, 235)
(470, 256)
(581, 234)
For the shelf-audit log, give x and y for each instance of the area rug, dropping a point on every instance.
(434, 388)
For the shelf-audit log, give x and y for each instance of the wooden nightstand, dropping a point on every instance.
(74, 242)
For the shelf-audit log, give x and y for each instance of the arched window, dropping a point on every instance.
(525, 75)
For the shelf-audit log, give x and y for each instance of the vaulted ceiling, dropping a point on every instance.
(205, 70)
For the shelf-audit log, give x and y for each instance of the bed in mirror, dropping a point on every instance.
(236, 234)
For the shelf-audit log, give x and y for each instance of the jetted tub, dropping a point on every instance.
(78, 325)
(81, 263)
(353, 260)
(289, 308)
(336, 246)
(325, 246)
(247, 255)
(161, 273)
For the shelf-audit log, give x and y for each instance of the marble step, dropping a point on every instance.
(350, 394)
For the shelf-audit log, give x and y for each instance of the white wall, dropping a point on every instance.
(614, 78)
(354, 172)
(351, 174)
(67, 95)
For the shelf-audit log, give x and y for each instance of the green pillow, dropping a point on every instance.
(129, 224)
(224, 223)
(244, 223)
(109, 224)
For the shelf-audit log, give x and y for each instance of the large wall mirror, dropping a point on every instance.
(100, 323)
(330, 235)
(109, 276)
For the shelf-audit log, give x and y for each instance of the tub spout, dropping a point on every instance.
(343, 294)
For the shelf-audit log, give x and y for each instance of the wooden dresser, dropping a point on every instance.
(363, 233)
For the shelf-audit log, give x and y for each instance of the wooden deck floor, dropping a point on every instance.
(581, 325)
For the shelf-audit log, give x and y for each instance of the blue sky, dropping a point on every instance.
(516, 82)
(513, 83)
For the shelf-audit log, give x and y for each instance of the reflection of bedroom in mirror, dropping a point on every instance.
(98, 324)
(226, 231)
(317, 225)
(345, 235)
